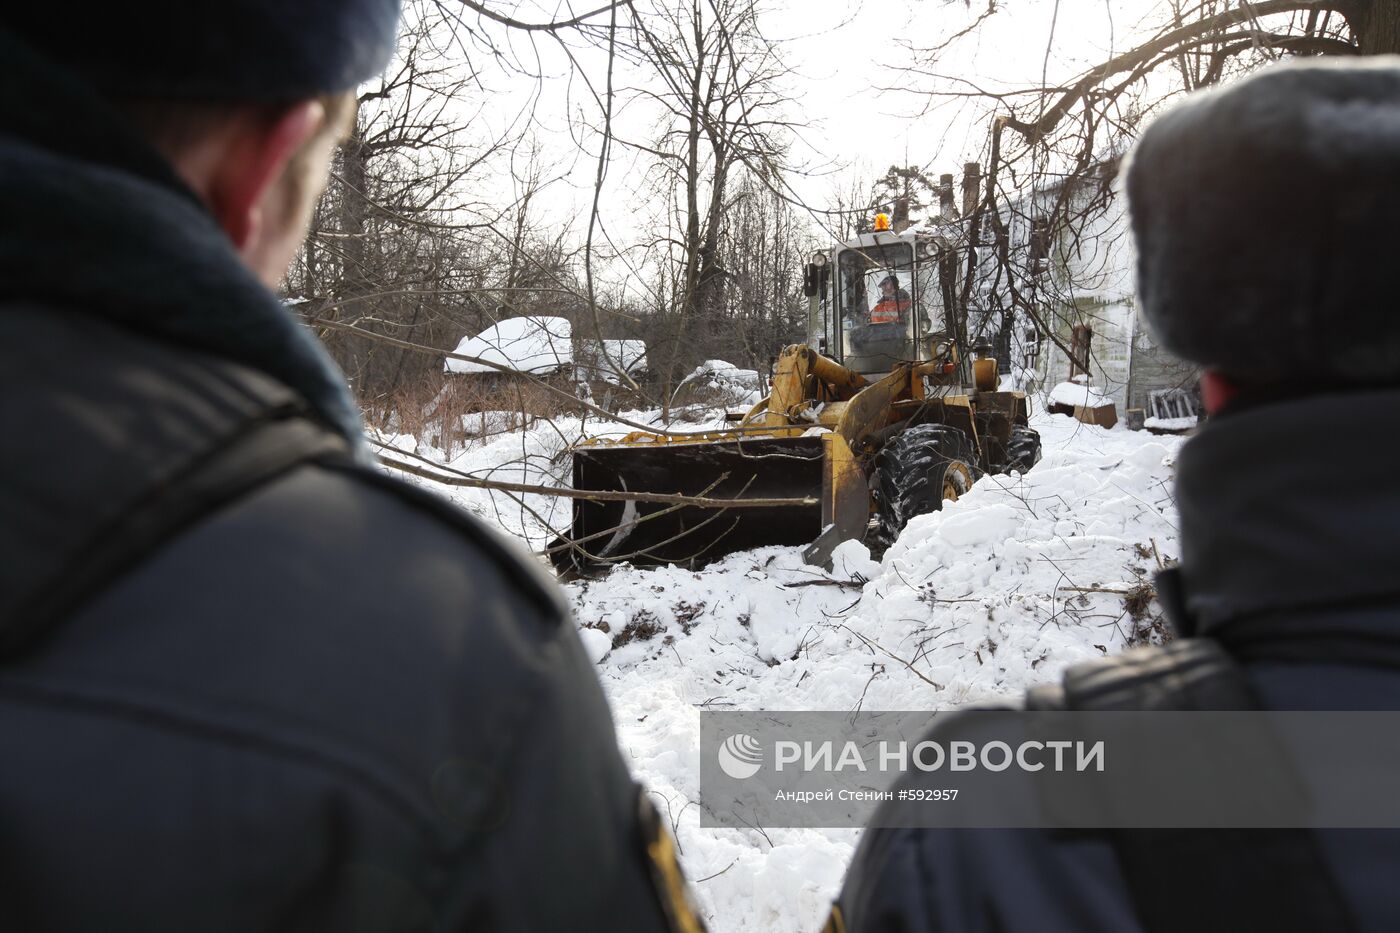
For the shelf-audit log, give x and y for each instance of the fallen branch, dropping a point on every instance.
(876, 646)
(716, 874)
(1136, 599)
(849, 584)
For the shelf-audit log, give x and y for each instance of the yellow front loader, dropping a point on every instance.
(858, 440)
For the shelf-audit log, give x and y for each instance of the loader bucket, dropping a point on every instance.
(736, 469)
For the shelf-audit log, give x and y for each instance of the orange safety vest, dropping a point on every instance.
(888, 310)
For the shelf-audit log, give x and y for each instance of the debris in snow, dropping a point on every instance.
(535, 345)
(643, 626)
(1138, 600)
(686, 614)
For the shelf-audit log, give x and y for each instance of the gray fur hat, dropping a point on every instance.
(1267, 220)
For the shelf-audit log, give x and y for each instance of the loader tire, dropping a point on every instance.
(916, 471)
(1022, 450)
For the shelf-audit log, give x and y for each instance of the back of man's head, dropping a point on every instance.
(245, 98)
(178, 70)
(1265, 217)
(234, 50)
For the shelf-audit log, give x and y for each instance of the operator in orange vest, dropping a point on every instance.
(893, 304)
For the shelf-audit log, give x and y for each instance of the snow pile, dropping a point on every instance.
(1078, 394)
(536, 345)
(719, 383)
(1001, 590)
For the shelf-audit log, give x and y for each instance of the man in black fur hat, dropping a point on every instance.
(247, 681)
(1265, 217)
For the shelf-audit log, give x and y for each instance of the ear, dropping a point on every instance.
(1216, 391)
(252, 165)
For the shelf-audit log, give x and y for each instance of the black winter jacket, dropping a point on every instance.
(1289, 512)
(333, 703)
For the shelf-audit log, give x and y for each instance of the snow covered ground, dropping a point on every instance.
(1001, 590)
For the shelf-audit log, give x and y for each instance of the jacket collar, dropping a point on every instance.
(98, 224)
(1290, 507)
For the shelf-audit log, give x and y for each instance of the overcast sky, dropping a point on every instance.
(859, 112)
(864, 109)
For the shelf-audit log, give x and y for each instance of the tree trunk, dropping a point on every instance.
(354, 210)
(1378, 27)
(353, 213)
(709, 282)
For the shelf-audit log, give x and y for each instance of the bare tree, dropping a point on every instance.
(431, 231)
(716, 81)
(1039, 211)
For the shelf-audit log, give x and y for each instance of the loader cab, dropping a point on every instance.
(876, 301)
(874, 306)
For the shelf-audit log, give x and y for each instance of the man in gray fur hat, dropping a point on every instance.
(1265, 218)
(247, 681)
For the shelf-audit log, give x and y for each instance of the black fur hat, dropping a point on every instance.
(246, 50)
(1267, 221)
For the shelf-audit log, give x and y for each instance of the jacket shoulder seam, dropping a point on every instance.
(531, 579)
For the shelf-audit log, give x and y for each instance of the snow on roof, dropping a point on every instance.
(536, 345)
(1075, 394)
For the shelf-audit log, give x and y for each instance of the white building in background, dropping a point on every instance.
(1089, 280)
(1066, 276)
